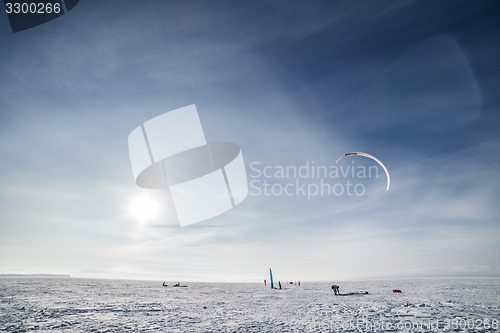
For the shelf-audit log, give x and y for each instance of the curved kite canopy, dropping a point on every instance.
(357, 153)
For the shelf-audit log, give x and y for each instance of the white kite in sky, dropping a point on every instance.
(357, 153)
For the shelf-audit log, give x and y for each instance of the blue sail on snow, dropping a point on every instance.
(271, 277)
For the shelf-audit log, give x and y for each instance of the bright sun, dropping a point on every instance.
(144, 208)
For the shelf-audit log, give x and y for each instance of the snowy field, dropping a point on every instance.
(85, 305)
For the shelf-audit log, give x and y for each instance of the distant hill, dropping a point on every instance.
(35, 275)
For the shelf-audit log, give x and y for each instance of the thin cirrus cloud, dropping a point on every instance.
(289, 84)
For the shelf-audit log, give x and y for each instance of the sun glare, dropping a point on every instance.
(144, 208)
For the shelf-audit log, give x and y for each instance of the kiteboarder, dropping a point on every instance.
(336, 289)
(279, 284)
(265, 282)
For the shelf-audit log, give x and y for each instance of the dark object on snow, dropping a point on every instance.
(396, 291)
(336, 289)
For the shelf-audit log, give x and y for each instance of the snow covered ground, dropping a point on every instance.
(85, 305)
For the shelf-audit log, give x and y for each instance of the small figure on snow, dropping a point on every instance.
(336, 289)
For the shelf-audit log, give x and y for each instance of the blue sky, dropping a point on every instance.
(414, 83)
